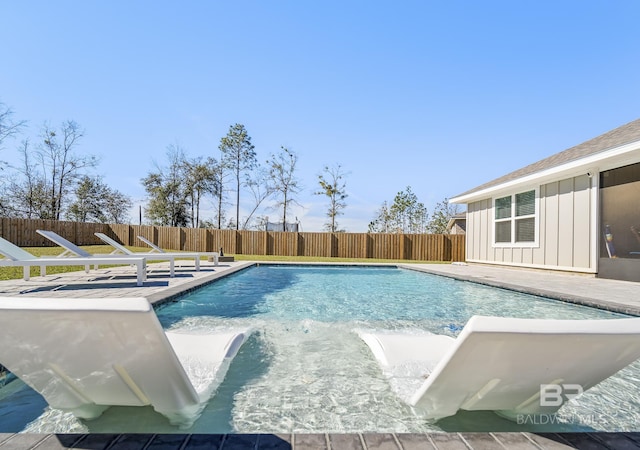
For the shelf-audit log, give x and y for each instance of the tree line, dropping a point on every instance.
(53, 181)
(409, 216)
(176, 190)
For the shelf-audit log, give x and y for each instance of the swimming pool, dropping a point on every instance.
(304, 370)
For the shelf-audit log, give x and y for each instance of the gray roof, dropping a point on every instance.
(615, 138)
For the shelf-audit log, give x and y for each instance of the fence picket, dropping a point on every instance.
(416, 247)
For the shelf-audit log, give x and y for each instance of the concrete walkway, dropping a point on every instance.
(121, 282)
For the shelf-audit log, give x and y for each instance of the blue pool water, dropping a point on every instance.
(304, 369)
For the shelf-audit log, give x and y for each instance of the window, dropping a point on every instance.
(515, 219)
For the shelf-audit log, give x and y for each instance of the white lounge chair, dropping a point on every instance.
(504, 364)
(18, 257)
(73, 249)
(156, 249)
(119, 248)
(84, 355)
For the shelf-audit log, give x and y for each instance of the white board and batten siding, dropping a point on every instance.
(567, 229)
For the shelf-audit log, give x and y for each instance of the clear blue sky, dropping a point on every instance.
(440, 96)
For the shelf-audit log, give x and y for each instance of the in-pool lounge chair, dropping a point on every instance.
(72, 249)
(119, 248)
(504, 364)
(84, 355)
(18, 257)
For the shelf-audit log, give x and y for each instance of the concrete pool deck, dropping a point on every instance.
(120, 282)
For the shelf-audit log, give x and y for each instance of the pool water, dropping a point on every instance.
(305, 370)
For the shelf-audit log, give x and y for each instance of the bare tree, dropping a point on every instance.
(261, 188)
(61, 166)
(8, 127)
(238, 156)
(282, 173)
(333, 186)
(29, 194)
(48, 173)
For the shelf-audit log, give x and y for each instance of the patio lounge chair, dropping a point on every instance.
(73, 249)
(84, 355)
(510, 366)
(17, 257)
(119, 248)
(155, 248)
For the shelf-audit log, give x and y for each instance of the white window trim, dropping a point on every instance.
(536, 242)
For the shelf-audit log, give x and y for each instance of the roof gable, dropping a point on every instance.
(620, 136)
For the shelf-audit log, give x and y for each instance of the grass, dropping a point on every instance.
(331, 259)
(13, 273)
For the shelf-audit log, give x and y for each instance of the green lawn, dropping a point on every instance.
(12, 273)
(330, 259)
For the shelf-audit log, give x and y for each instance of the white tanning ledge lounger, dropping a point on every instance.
(119, 248)
(503, 364)
(18, 257)
(84, 355)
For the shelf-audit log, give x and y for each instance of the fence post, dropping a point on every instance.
(266, 242)
(183, 238)
(334, 245)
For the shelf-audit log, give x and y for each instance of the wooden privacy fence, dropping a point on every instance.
(416, 247)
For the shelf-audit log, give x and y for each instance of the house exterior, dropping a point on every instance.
(577, 210)
(457, 224)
